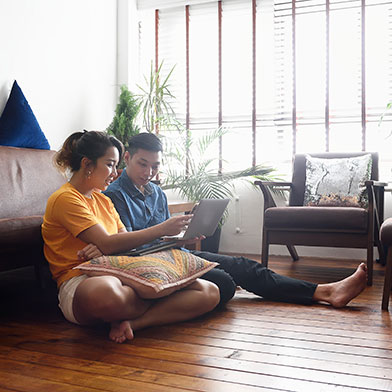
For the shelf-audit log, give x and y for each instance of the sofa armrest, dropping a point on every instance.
(375, 191)
(276, 186)
(380, 184)
(185, 207)
(386, 232)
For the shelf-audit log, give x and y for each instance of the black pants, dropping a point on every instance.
(253, 277)
(224, 282)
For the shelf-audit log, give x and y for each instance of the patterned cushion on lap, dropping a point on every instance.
(338, 182)
(151, 276)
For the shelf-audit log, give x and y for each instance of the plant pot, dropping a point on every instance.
(211, 244)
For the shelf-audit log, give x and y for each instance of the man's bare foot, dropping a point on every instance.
(119, 332)
(340, 293)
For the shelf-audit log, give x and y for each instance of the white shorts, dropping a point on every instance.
(66, 296)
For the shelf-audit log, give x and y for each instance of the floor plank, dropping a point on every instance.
(250, 345)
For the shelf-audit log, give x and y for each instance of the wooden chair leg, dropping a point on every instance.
(370, 265)
(264, 249)
(293, 252)
(387, 281)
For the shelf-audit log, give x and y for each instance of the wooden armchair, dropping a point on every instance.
(347, 227)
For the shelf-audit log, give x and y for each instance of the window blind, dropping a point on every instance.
(284, 76)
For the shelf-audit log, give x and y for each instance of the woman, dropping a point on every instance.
(80, 222)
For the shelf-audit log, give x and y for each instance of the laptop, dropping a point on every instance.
(206, 216)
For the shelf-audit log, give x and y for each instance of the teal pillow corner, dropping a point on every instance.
(18, 124)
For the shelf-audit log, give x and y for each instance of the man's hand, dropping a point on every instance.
(176, 224)
(190, 241)
(89, 252)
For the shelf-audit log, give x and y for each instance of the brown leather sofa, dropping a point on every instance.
(28, 178)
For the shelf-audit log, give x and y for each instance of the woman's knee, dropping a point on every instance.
(105, 298)
(211, 295)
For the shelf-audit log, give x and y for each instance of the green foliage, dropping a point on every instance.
(201, 179)
(387, 109)
(188, 168)
(123, 126)
(154, 101)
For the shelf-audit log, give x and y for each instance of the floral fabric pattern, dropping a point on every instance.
(337, 182)
(158, 271)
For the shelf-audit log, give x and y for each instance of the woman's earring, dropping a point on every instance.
(89, 174)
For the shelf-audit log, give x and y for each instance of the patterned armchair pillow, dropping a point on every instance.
(151, 276)
(338, 181)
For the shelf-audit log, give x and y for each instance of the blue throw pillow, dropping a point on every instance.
(18, 125)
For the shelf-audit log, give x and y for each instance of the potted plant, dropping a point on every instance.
(155, 100)
(123, 125)
(187, 170)
(200, 179)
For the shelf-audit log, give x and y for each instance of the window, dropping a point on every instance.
(284, 76)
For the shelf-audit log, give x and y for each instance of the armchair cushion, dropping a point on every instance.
(316, 218)
(337, 181)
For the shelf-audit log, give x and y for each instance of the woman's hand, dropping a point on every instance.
(89, 252)
(176, 224)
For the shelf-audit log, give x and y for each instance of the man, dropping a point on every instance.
(142, 204)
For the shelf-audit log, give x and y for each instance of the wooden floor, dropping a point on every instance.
(252, 345)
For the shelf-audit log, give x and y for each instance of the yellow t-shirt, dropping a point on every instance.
(67, 214)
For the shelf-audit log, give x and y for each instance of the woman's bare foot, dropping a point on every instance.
(119, 332)
(340, 293)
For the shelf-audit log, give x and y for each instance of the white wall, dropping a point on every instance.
(66, 57)
(63, 55)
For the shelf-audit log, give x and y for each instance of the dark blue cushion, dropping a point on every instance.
(18, 125)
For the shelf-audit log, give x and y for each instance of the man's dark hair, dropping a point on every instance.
(145, 141)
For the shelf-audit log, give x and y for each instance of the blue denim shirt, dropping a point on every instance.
(137, 210)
